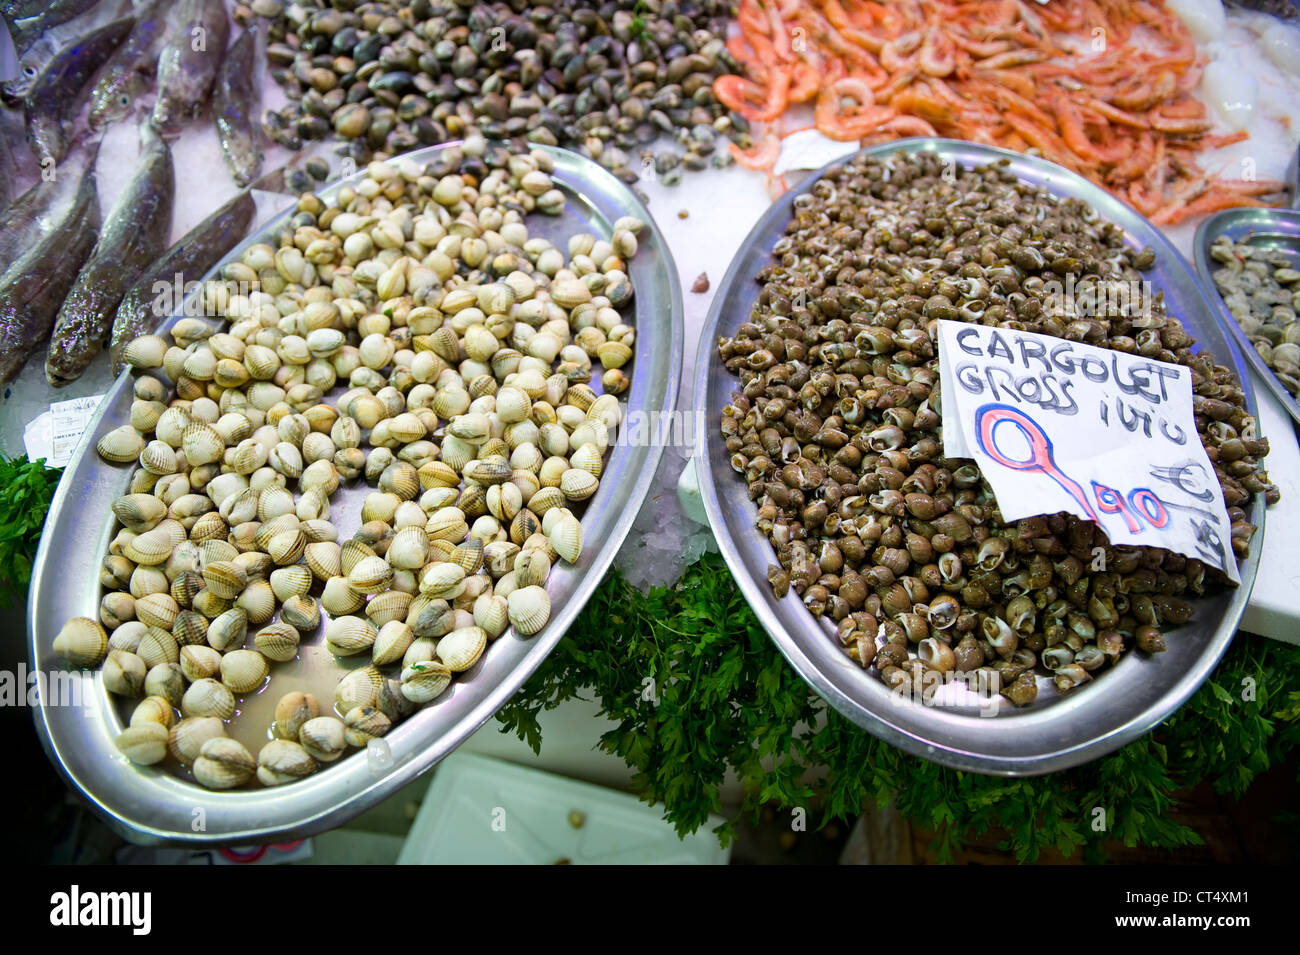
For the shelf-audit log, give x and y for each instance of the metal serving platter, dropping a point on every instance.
(153, 805)
(1273, 229)
(1054, 732)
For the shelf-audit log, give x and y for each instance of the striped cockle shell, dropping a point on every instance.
(443, 580)
(324, 738)
(154, 709)
(409, 548)
(157, 610)
(243, 671)
(158, 646)
(487, 471)
(391, 642)
(286, 546)
(292, 581)
(347, 635)
(587, 458)
(491, 614)
(143, 744)
(225, 578)
(228, 630)
(529, 609)
(430, 617)
(545, 499)
(324, 558)
(425, 681)
(532, 566)
(159, 458)
(447, 523)
(187, 737)
(389, 605)
(370, 575)
(437, 474)
(165, 680)
(499, 557)
(358, 687)
(139, 512)
(566, 537)
(209, 526)
(123, 673)
(578, 485)
(199, 662)
(208, 697)
(291, 712)
(283, 761)
(258, 601)
(461, 648)
(145, 352)
(339, 598)
(277, 641)
(201, 444)
(364, 723)
(224, 763)
(302, 612)
(121, 445)
(190, 628)
(127, 636)
(468, 556)
(351, 553)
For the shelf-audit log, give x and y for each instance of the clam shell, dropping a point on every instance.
(282, 761)
(157, 710)
(165, 680)
(225, 579)
(339, 598)
(207, 697)
(139, 512)
(82, 642)
(145, 352)
(364, 723)
(430, 617)
(392, 703)
(213, 551)
(244, 670)
(437, 474)
(201, 444)
(188, 737)
(447, 523)
(258, 601)
(545, 499)
(127, 636)
(531, 567)
(287, 546)
(442, 580)
(228, 630)
(390, 605)
(351, 553)
(469, 556)
(124, 673)
(409, 548)
(199, 663)
(158, 646)
(425, 681)
(491, 614)
(347, 635)
(324, 558)
(209, 526)
(224, 763)
(460, 649)
(121, 445)
(324, 738)
(529, 609)
(358, 687)
(370, 575)
(566, 537)
(291, 712)
(578, 485)
(588, 458)
(277, 641)
(300, 612)
(143, 744)
(292, 581)
(391, 642)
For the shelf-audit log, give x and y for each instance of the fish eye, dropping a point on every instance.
(29, 70)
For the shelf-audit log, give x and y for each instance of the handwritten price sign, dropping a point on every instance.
(1061, 426)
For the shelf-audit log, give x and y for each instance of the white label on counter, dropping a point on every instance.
(54, 435)
(1057, 425)
(810, 149)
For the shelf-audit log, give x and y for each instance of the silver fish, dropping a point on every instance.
(135, 234)
(30, 292)
(55, 99)
(127, 74)
(188, 64)
(34, 214)
(59, 25)
(234, 104)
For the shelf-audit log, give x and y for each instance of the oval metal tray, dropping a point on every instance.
(1053, 733)
(153, 805)
(1272, 228)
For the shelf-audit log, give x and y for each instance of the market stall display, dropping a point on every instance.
(198, 618)
(873, 600)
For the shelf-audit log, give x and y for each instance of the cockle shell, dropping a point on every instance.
(339, 598)
(143, 744)
(208, 697)
(425, 681)
(158, 646)
(292, 581)
(301, 612)
(258, 601)
(490, 613)
(461, 648)
(348, 635)
(224, 763)
(277, 641)
(139, 512)
(225, 578)
(228, 630)
(442, 580)
(283, 761)
(351, 553)
(154, 709)
(578, 485)
(390, 605)
(566, 537)
(121, 445)
(358, 688)
(324, 738)
(430, 617)
(124, 673)
(292, 711)
(166, 680)
(244, 670)
(324, 558)
(201, 444)
(199, 662)
(409, 548)
(187, 737)
(391, 643)
(364, 723)
(529, 609)
(370, 575)
(82, 642)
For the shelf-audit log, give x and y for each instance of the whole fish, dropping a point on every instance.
(60, 25)
(30, 292)
(128, 72)
(55, 99)
(135, 234)
(234, 104)
(190, 59)
(35, 213)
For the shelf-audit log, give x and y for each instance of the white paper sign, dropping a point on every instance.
(809, 149)
(54, 435)
(1057, 425)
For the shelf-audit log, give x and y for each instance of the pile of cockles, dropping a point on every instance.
(837, 428)
(462, 351)
(1261, 288)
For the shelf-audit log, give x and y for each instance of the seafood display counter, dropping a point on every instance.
(377, 427)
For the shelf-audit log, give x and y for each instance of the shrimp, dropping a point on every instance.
(762, 157)
(938, 53)
(756, 104)
(852, 123)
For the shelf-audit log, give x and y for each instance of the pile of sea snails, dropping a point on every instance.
(1261, 288)
(463, 349)
(604, 79)
(837, 429)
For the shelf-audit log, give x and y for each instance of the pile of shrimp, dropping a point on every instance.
(1102, 87)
